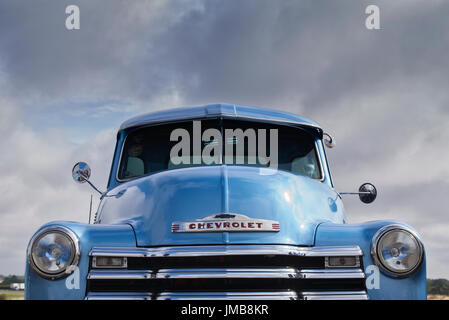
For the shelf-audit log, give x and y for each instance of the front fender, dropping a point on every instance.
(409, 288)
(68, 287)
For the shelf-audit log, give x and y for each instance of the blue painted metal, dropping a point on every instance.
(140, 212)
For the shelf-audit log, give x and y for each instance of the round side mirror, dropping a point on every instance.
(367, 193)
(81, 172)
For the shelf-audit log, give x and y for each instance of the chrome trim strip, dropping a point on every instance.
(120, 274)
(230, 293)
(241, 273)
(227, 273)
(335, 295)
(280, 295)
(275, 295)
(219, 250)
(118, 296)
(332, 274)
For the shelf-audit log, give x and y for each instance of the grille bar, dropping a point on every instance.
(194, 274)
(226, 273)
(119, 296)
(237, 273)
(335, 295)
(281, 295)
(219, 250)
(333, 274)
(123, 274)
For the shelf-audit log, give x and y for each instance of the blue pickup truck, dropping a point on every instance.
(223, 202)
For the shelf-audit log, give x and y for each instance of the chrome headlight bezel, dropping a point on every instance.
(74, 257)
(375, 252)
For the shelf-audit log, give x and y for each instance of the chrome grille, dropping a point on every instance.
(227, 272)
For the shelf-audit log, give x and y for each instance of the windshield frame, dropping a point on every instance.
(223, 117)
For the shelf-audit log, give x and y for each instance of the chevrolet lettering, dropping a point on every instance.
(226, 222)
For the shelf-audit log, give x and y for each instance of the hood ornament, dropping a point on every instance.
(226, 222)
(224, 216)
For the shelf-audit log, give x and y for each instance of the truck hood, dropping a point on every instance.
(155, 204)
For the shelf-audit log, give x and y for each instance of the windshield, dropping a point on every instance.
(218, 141)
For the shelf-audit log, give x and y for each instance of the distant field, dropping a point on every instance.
(437, 297)
(11, 295)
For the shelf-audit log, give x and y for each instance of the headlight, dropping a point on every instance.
(53, 252)
(397, 250)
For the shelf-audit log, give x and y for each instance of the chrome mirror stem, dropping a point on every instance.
(95, 188)
(367, 193)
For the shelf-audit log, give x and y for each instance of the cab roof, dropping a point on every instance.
(225, 111)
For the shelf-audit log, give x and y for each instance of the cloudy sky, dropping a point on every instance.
(382, 93)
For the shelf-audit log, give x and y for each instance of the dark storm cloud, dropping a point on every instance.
(384, 94)
(286, 54)
(41, 57)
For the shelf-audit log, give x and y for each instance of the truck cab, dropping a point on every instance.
(223, 202)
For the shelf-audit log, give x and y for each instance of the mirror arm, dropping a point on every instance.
(362, 192)
(353, 193)
(91, 184)
(367, 193)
